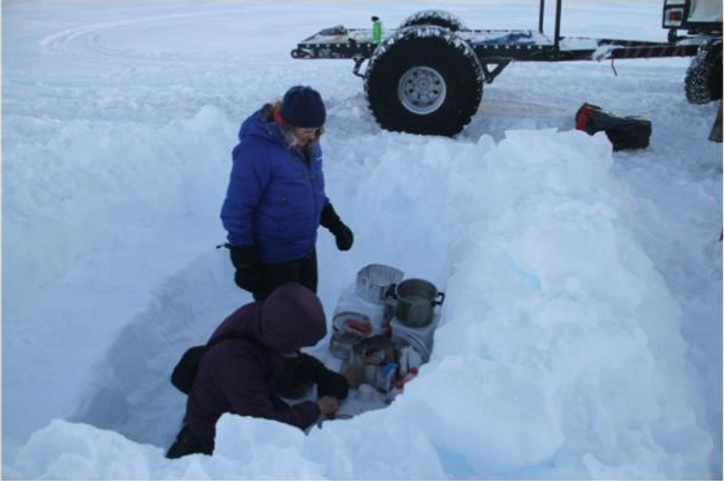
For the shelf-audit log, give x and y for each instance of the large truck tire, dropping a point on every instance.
(440, 18)
(703, 81)
(424, 80)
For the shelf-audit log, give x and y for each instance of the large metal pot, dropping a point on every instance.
(413, 302)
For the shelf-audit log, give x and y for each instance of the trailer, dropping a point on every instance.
(427, 76)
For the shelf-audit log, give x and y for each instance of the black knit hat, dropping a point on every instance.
(303, 107)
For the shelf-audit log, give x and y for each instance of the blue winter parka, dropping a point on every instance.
(275, 196)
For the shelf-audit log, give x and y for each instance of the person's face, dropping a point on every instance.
(305, 136)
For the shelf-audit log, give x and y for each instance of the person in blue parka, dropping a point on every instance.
(275, 200)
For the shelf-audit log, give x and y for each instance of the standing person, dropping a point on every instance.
(275, 200)
(242, 375)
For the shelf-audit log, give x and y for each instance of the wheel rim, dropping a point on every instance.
(422, 90)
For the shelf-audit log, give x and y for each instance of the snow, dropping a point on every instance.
(443, 15)
(581, 332)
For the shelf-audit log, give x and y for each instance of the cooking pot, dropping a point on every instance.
(413, 302)
(348, 329)
(372, 363)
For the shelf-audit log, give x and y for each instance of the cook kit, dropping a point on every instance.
(383, 327)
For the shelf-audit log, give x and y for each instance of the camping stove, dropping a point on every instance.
(372, 362)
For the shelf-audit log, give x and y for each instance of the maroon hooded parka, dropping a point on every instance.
(238, 376)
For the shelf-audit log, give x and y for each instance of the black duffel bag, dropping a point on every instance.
(623, 132)
(184, 373)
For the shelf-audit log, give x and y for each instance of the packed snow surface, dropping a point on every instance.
(581, 333)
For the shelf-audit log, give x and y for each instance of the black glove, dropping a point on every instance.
(329, 383)
(343, 236)
(293, 382)
(248, 267)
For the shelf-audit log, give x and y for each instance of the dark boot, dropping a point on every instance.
(187, 443)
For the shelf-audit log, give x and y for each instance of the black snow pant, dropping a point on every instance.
(303, 271)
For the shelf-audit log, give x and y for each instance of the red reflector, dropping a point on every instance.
(674, 15)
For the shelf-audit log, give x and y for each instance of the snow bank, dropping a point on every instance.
(134, 176)
(569, 331)
(558, 354)
(95, 210)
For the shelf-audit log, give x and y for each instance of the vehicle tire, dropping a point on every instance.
(424, 80)
(440, 18)
(703, 81)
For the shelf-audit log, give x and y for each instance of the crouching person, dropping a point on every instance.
(244, 375)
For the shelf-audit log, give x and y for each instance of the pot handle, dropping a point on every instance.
(441, 295)
(390, 291)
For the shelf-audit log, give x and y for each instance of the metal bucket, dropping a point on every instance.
(348, 329)
(373, 281)
(413, 302)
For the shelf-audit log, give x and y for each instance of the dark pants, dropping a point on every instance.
(187, 443)
(303, 271)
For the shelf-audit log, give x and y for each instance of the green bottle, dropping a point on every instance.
(376, 30)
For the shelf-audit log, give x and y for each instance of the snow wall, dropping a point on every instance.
(558, 354)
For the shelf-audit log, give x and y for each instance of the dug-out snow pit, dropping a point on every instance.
(382, 333)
